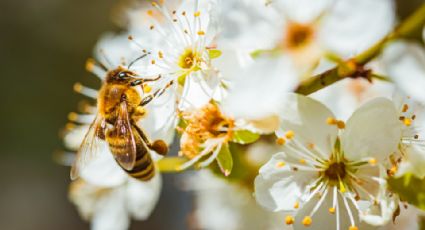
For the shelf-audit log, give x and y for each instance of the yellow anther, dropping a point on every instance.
(69, 126)
(150, 12)
(151, 27)
(160, 54)
(310, 146)
(197, 14)
(72, 116)
(405, 108)
(393, 170)
(307, 221)
(302, 161)
(280, 164)
(153, 62)
(296, 205)
(89, 64)
(77, 87)
(154, 4)
(331, 121)
(407, 121)
(289, 220)
(332, 210)
(280, 141)
(340, 124)
(289, 134)
(353, 228)
(147, 88)
(201, 32)
(372, 161)
(184, 13)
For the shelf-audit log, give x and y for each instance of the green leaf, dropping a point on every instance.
(225, 160)
(244, 137)
(214, 53)
(170, 164)
(410, 189)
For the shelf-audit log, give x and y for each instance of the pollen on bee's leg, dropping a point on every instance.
(307, 221)
(289, 220)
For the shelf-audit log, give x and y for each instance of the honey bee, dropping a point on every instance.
(119, 107)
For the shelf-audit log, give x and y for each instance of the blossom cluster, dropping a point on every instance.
(224, 80)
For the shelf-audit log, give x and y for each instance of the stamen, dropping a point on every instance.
(296, 205)
(147, 88)
(340, 124)
(405, 108)
(79, 88)
(289, 220)
(332, 210)
(280, 164)
(289, 134)
(331, 121)
(353, 228)
(307, 221)
(372, 161)
(407, 121)
(280, 141)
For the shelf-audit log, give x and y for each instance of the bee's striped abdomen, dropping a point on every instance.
(144, 168)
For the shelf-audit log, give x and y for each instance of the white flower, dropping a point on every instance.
(411, 156)
(331, 173)
(215, 209)
(306, 29)
(206, 131)
(181, 43)
(405, 65)
(112, 207)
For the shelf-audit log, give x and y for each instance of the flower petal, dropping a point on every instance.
(142, 197)
(350, 28)
(405, 64)
(262, 86)
(372, 131)
(307, 118)
(413, 162)
(111, 212)
(278, 187)
(104, 170)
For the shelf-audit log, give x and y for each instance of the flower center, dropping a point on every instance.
(336, 171)
(202, 125)
(189, 59)
(298, 35)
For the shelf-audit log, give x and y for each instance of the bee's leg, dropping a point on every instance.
(157, 93)
(158, 146)
(139, 113)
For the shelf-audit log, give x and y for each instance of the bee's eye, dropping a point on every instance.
(122, 75)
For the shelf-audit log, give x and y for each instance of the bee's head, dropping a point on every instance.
(121, 76)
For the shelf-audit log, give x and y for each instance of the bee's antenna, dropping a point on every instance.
(137, 59)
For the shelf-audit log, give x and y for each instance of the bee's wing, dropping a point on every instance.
(90, 147)
(123, 131)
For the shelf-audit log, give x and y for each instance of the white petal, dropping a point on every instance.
(381, 214)
(161, 117)
(278, 188)
(405, 64)
(142, 197)
(111, 212)
(74, 137)
(257, 91)
(195, 93)
(372, 131)
(352, 27)
(413, 161)
(104, 170)
(308, 119)
(302, 10)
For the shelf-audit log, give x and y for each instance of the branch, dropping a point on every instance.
(350, 67)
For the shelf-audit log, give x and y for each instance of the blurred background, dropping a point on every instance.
(43, 48)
